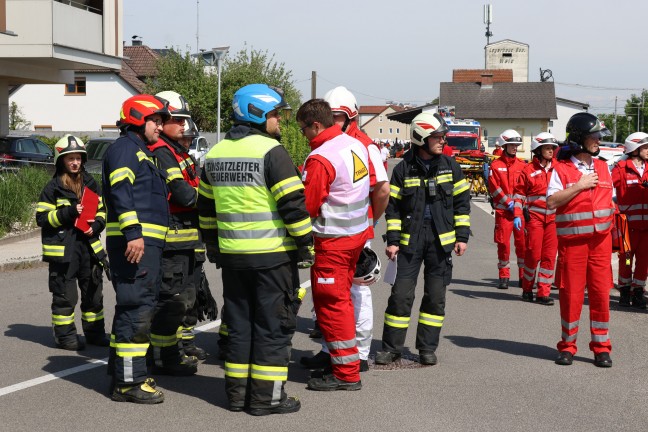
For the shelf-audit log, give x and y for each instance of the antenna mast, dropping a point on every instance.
(488, 19)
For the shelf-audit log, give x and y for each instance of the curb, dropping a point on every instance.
(19, 237)
(23, 264)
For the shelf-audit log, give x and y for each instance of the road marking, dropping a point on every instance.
(77, 369)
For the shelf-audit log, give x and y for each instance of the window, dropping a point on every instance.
(379, 130)
(391, 131)
(43, 148)
(380, 118)
(26, 146)
(78, 88)
(397, 130)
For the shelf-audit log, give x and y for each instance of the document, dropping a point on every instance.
(90, 203)
(390, 271)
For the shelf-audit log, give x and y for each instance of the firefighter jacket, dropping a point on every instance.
(135, 194)
(589, 212)
(251, 201)
(631, 193)
(182, 180)
(450, 203)
(504, 173)
(56, 213)
(531, 192)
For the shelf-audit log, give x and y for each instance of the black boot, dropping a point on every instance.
(625, 297)
(527, 296)
(318, 361)
(503, 283)
(638, 299)
(316, 333)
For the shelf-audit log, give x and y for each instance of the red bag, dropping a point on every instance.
(621, 236)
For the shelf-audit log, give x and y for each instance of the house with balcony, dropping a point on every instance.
(45, 41)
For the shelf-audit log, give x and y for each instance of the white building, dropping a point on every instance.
(565, 109)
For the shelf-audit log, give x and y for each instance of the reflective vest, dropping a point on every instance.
(246, 211)
(346, 208)
(186, 169)
(589, 212)
(532, 191)
(632, 196)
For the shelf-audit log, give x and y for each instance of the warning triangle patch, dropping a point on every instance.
(360, 170)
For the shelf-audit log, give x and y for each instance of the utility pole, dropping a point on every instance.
(488, 19)
(615, 120)
(313, 84)
(197, 26)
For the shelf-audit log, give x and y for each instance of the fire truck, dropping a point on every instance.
(464, 135)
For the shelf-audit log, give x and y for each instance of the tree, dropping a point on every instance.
(622, 124)
(17, 121)
(183, 75)
(635, 107)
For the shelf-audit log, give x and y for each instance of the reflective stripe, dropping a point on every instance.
(237, 370)
(121, 174)
(502, 264)
(545, 279)
(345, 359)
(130, 349)
(411, 182)
(339, 345)
(44, 206)
(205, 190)
(285, 187)
(208, 222)
(430, 320)
(92, 316)
(270, 373)
(53, 250)
(396, 321)
(164, 340)
(148, 230)
(588, 229)
(447, 238)
(393, 224)
(462, 220)
(96, 246)
(174, 173)
(52, 218)
(62, 319)
(127, 219)
(570, 217)
(459, 187)
(603, 213)
(182, 235)
(222, 330)
(638, 282)
(600, 338)
(300, 228)
(444, 178)
(569, 326)
(62, 202)
(546, 271)
(394, 192)
(404, 239)
(600, 325)
(569, 338)
(541, 210)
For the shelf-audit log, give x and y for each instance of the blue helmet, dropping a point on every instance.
(252, 102)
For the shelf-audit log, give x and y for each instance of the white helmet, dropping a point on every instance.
(342, 100)
(543, 139)
(367, 268)
(634, 141)
(426, 124)
(178, 106)
(510, 136)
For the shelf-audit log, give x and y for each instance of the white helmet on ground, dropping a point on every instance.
(634, 141)
(510, 136)
(426, 124)
(342, 100)
(543, 139)
(367, 268)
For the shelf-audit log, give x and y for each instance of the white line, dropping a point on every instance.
(67, 372)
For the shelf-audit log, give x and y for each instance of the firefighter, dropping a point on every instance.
(503, 175)
(337, 181)
(177, 290)
(256, 228)
(345, 114)
(542, 244)
(138, 217)
(580, 190)
(73, 255)
(498, 147)
(630, 179)
(428, 217)
(203, 305)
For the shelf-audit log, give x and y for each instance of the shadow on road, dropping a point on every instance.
(495, 295)
(31, 333)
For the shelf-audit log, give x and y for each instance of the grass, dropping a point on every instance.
(19, 191)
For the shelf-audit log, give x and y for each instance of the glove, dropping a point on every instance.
(213, 254)
(510, 206)
(517, 223)
(106, 267)
(306, 256)
(206, 307)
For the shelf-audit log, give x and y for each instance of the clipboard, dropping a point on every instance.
(90, 203)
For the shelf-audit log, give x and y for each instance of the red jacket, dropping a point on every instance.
(531, 191)
(632, 196)
(591, 210)
(504, 174)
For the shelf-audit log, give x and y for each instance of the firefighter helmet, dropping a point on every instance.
(634, 141)
(69, 144)
(367, 268)
(253, 102)
(582, 124)
(510, 136)
(190, 129)
(178, 106)
(342, 100)
(426, 124)
(541, 139)
(136, 108)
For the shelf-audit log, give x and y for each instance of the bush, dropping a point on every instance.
(19, 191)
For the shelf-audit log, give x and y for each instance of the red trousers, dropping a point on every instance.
(331, 279)
(542, 245)
(503, 229)
(638, 254)
(585, 263)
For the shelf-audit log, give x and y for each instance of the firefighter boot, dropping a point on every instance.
(141, 394)
(503, 283)
(527, 296)
(638, 300)
(625, 296)
(290, 405)
(75, 344)
(386, 357)
(190, 349)
(316, 333)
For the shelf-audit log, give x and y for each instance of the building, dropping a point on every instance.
(509, 54)
(92, 103)
(565, 108)
(374, 121)
(45, 41)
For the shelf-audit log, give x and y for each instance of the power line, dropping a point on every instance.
(597, 87)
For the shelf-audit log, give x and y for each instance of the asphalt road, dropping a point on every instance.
(496, 370)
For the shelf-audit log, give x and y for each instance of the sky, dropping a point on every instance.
(401, 50)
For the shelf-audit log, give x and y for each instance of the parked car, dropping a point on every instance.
(611, 155)
(198, 149)
(17, 151)
(96, 148)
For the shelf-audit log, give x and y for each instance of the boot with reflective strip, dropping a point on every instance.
(141, 394)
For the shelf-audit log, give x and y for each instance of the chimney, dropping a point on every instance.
(136, 40)
(487, 80)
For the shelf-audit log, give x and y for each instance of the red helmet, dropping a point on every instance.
(136, 108)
